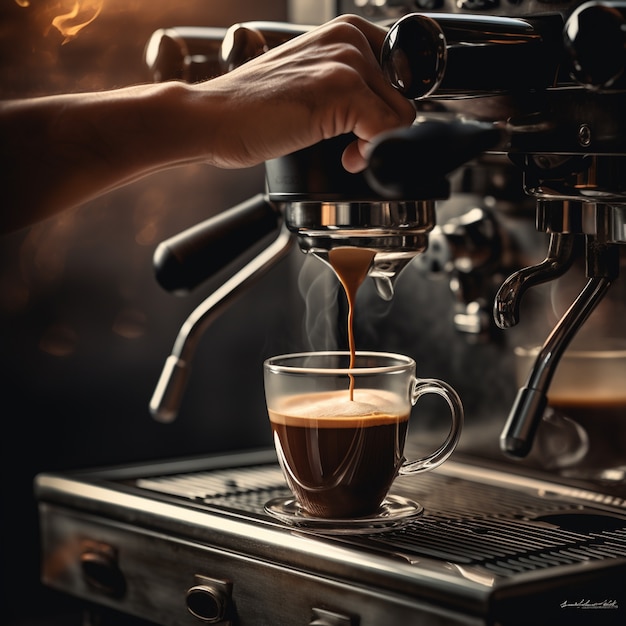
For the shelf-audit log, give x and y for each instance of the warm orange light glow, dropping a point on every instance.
(82, 13)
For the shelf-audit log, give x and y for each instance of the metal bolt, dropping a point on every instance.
(584, 135)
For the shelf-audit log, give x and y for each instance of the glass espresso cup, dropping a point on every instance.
(340, 431)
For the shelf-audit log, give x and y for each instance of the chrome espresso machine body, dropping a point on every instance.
(519, 143)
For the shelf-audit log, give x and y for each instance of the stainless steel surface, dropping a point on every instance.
(527, 411)
(397, 231)
(487, 540)
(508, 299)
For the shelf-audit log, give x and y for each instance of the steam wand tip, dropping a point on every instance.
(169, 391)
(524, 419)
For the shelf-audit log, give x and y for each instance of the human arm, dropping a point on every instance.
(61, 151)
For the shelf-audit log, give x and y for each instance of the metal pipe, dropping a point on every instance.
(525, 416)
(558, 260)
(170, 388)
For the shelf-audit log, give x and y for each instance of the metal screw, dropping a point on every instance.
(584, 135)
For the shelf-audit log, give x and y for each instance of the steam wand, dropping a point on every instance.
(518, 434)
(558, 260)
(169, 391)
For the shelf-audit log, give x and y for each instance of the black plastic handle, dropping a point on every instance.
(408, 162)
(188, 259)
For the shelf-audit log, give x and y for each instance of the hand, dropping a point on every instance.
(324, 83)
(321, 84)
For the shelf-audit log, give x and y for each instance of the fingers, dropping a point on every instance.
(379, 106)
(374, 34)
(354, 158)
(324, 83)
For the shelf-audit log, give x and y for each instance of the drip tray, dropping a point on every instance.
(501, 529)
(490, 548)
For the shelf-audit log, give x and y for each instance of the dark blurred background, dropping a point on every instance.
(84, 327)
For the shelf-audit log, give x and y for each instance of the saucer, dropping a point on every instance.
(394, 512)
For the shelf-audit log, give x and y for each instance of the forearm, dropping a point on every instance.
(61, 151)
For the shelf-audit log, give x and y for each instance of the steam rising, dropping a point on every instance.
(82, 13)
(73, 19)
(319, 288)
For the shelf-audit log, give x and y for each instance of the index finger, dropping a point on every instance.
(374, 33)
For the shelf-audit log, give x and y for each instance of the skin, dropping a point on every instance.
(60, 151)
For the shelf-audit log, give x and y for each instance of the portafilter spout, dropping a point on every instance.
(390, 207)
(327, 207)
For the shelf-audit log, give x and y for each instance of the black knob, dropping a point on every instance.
(414, 55)
(207, 602)
(595, 38)
(101, 571)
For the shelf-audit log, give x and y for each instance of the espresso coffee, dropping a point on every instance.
(351, 266)
(340, 456)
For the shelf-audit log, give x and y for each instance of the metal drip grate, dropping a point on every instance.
(244, 488)
(502, 530)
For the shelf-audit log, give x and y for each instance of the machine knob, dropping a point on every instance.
(189, 53)
(101, 570)
(595, 38)
(240, 45)
(209, 600)
(247, 40)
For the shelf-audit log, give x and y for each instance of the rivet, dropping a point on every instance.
(584, 135)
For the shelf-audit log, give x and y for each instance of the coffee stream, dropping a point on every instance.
(341, 455)
(351, 266)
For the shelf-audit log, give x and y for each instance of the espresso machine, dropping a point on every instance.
(518, 147)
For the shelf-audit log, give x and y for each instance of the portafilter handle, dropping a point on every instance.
(407, 162)
(595, 41)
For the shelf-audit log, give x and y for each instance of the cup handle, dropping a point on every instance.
(431, 385)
